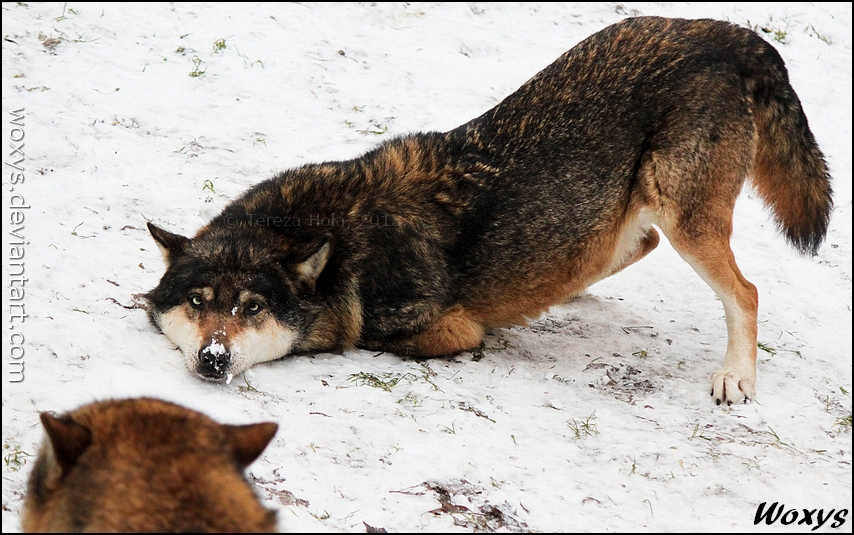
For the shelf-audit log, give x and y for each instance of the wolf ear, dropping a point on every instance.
(248, 441)
(309, 269)
(68, 439)
(171, 245)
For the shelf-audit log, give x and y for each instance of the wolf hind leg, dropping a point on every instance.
(695, 180)
(703, 242)
(452, 332)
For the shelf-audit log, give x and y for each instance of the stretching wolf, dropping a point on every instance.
(423, 244)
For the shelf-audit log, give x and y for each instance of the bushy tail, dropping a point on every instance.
(790, 173)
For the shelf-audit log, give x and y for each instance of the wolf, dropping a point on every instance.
(145, 465)
(426, 242)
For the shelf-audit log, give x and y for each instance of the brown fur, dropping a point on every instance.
(145, 465)
(651, 121)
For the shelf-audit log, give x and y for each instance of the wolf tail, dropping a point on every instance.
(790, 172)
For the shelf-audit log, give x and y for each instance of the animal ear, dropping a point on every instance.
(248, 441)
(68, 439)
(309, 269)
(171, 245)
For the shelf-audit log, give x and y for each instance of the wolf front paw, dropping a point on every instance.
(730, 386)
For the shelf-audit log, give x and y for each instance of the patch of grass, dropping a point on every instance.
(584, 428)
(477, 353)
(410, 400)
(74, 231)
(50, 43)
(634, 470)
(219, 45)
(777, 440)
(16, 458)
(628, 329)
(642, 354)
(474, 410)
(66, 9)
(503, 345)
(814, 33)
(697, 433)
(80, 39)
(375, 127)
(248, 61)
(751, 465)
(321, 517)
(549, 405)
(209, 185)
(190, 148)
(450, 430)
(649, 503)
(427, 373)
(778, 35)
(773, 29)
(386, 382)
(197, 70)
(766, 348)
(844, 423)
(249, 387)
(827, 404)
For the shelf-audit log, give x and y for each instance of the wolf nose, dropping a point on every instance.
(214, 360)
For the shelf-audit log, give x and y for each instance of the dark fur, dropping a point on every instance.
(446, 235)
(145, 465)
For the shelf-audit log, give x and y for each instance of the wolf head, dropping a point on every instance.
(145, 465)
(235, 295)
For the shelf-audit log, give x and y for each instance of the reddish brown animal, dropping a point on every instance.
(145, 465)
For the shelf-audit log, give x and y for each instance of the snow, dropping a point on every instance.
(216, 348)
(595, 418)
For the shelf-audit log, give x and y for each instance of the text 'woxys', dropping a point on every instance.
(809, 517)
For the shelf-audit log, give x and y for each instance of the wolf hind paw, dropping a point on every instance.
(730, 386)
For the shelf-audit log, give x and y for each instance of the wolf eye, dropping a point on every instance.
(253, 308)
(196, 300)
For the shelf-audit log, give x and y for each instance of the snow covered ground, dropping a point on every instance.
(596, 417)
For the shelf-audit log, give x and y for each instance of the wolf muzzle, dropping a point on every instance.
(214, 361)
